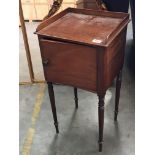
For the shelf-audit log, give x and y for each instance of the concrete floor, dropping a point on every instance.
(78, 128)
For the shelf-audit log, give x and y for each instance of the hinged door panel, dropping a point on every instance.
(69, 64)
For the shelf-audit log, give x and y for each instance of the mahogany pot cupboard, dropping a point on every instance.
(84, 49)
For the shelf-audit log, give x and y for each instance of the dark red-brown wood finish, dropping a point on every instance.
(84, 49)
(52, 100)
(76, 97)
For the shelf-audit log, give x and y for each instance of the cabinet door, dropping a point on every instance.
(69, 64)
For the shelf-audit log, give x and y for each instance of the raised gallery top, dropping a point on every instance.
(90, 27)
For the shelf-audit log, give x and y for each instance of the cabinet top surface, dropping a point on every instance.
(84, 26)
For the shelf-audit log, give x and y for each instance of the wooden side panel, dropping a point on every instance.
(114, 57)
(69, 64)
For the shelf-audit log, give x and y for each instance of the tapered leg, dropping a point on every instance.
(117, 94)
(52, 100)
(101, 120)
(76, 97)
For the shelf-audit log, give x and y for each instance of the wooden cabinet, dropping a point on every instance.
(84, 49)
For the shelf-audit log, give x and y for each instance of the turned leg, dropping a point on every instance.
(52, 100)
(101, 120)
(76, 97)
(117, 94)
